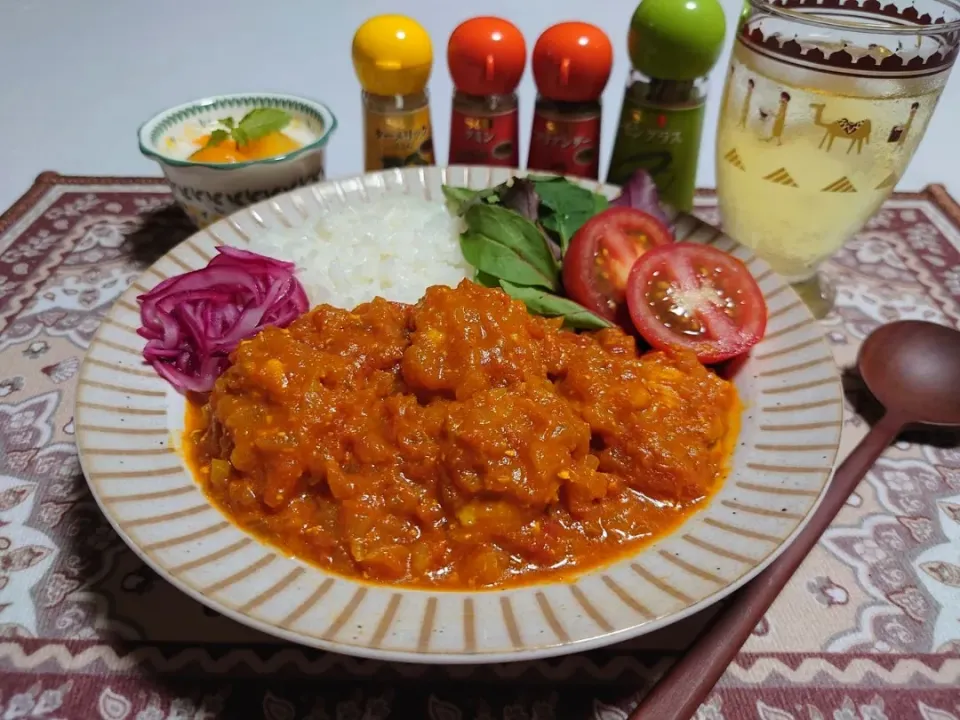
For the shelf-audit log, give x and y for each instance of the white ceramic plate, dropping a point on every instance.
(129, 424)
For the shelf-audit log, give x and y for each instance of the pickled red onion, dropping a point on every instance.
(192, 322)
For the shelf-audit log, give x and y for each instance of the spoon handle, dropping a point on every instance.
(678, 695)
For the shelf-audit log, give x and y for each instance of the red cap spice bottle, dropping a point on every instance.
(486, 56)
(571, 66)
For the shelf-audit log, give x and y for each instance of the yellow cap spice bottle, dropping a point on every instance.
(392, 57)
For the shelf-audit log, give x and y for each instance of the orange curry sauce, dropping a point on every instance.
(458, 443)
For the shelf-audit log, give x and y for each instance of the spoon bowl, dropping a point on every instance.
(913, 368)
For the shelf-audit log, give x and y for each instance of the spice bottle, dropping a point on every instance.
(392, 57)
(486, 56)
(673, 46)
(571, 66)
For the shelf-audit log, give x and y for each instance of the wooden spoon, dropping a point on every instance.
(913, 369)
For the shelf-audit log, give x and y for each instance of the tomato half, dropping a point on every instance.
(696, 297)
(597, 263)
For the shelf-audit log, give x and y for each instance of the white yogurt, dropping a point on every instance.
(181, 142)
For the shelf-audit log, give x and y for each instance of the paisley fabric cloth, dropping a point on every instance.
(869, 629)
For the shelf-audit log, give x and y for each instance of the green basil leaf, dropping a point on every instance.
(561, 195)
(458, 197)
(493, 258)
(240, 136)
(569, 206)
(515, 232)
(228, 122)
(259, 122)
(543, 303)
(573, 221)
(537, 178)
(217, 137)
(482, 278)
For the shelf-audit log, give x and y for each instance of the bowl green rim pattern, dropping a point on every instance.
(154, 128)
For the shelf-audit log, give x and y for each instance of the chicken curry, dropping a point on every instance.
(460, 442)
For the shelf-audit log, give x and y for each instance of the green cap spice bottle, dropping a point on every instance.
(673, 46)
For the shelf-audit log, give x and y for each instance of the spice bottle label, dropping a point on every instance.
(398, 139)
(664, 140)
(565, 144)
(484, 138)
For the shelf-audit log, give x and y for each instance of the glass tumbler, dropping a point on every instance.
(824, 105)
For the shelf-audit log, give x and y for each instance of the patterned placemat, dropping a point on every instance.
(869, 629)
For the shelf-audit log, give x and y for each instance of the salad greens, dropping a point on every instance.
(500, 261)
(568, 206)
(458, 198)
(548, 305)
(516, 235)
(640, 192)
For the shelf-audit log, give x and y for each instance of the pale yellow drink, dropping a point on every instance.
(804, 157)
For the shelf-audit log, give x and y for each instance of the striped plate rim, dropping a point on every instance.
(127, 423)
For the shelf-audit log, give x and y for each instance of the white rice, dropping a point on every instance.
(394, 247)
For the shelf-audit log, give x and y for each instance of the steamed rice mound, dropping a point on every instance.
(392, 247)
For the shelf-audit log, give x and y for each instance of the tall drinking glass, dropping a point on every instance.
(824, 105)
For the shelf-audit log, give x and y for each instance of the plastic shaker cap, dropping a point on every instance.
(676, 39)
(572, 62)
(486, 56)
(392, 55)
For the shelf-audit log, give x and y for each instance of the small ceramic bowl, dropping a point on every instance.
(210, 191)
